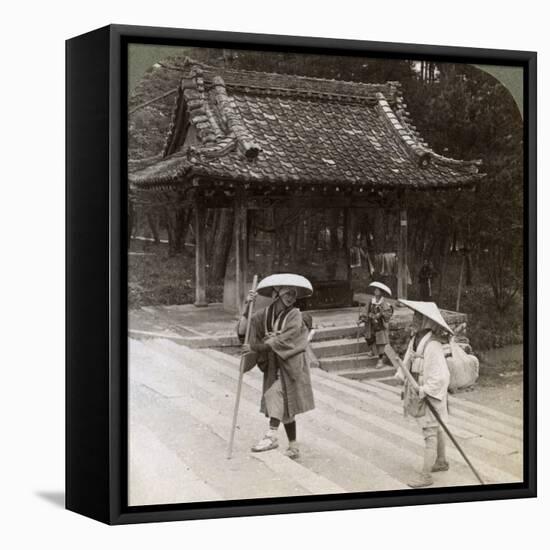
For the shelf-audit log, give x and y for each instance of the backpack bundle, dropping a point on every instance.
(463, 366)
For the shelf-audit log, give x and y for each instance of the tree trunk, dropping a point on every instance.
(151, 220)
(180, 228)
(221, 244)
(131, 221)
(469, 278)
(332, 266)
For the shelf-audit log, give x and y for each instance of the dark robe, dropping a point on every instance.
(376, 316)
(287, 339)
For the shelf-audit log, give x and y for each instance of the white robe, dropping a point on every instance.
(429, 363)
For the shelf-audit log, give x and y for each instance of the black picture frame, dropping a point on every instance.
(96, 267)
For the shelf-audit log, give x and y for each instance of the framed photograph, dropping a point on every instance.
(301, 274)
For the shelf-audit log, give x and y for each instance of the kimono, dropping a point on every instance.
(377, 315)
(429, 368)
(287, 387)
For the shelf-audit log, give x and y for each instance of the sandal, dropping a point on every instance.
(423, 480)
(267, 443)
(440, 466)
(293, 453)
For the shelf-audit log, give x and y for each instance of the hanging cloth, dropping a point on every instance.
(366, 257)
(355, 257)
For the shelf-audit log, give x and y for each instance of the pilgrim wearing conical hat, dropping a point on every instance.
(376, 317)
(426, 361)
(430, 311)
(279, 338)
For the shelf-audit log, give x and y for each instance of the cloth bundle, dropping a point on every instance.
(463, 368)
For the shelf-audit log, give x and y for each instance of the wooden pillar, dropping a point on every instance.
(200, 251)
(241, 251)
(271, 255)
(402, 254)
(348, 241)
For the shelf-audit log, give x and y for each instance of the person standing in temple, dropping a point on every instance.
(425, 360)
(279, 339)
(376, 317)
(426, 277)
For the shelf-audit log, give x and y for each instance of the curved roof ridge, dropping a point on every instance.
(228, 111)
(190, 62)
(411, 137)
(193, 104)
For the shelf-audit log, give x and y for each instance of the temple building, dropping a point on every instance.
(265, 144)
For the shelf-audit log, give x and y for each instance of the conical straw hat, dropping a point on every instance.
(274, 282)
(381, 286)
(429, 310)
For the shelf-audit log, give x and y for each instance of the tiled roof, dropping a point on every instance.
(264, 128)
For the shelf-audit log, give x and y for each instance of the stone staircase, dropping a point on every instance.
(348, 355)
(356, 439)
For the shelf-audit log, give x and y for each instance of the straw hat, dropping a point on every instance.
(381, 286)
(274, 282)
(429, 310)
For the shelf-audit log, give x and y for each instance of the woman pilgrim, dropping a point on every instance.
(376, 316)
(279, 337)
(425, 360)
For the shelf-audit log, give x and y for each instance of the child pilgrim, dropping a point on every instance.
(279, 337)
(426, 362)
(376, 317)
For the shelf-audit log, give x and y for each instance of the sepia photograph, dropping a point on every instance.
(325, 274)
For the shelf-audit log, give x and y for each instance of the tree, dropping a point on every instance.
(468, 114)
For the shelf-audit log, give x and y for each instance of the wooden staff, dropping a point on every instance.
(397, 363)
(250, 309)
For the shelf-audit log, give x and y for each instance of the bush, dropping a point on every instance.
(487, 327)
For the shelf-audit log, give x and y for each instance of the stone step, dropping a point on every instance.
(207, 399)
(335, 333)
(396, 432)
(483, 434)
(347, 362)
(386, 459)
(352, 427)
(367, 373)
(495, 428)
(231, 340)
(335, 348)
(498, 423)
(378, 415)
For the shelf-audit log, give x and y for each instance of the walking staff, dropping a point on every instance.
(249, 310)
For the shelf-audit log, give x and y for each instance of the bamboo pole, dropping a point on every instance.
(250, 309)
(397, 363)
(459, 291)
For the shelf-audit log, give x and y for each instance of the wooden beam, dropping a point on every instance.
(200, 252)
(402, 254)
(241, 251)
(296, 201)
(271, 223)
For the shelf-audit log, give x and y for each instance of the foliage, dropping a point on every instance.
(468, 114)
(157, 278)
(487, 326)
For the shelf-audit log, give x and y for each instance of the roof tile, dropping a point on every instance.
(281, 128)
